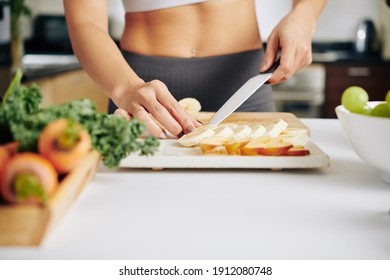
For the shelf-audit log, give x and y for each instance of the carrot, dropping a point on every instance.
(28, 178)
(6, 152)
(64, 143)
(11, 148)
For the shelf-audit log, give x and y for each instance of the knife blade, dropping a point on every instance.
(243, 93)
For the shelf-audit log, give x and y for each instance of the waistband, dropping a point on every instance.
(166, 59)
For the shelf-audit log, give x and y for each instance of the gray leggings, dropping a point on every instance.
(211, 80)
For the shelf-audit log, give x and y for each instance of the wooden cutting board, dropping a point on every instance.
(172, 155)
(251, 118)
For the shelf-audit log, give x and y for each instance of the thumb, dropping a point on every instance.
(270, 53)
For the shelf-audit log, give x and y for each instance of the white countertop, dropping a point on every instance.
(338, 212)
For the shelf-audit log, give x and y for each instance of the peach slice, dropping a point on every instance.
(209, 144)
(297, 151)
(234, 147)
(266, 147)
(219, 150)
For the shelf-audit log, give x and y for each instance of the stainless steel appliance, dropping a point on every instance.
(303, 94)
(365, 37)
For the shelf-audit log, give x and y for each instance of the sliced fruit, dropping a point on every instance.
(234, 147)
(241, 132)
(296, 131)
(257, 131)
(266, 147)
(191, 105)
(223, 131)
(231, 125)
(274, 128)
(210, 143)
(297, 151)
(300, 140)
(194, 138)
(219, 150)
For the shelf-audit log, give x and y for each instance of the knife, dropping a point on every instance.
(243, 93)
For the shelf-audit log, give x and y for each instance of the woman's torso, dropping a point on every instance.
(203, 29)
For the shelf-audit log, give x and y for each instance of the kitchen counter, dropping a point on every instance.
(36, 66)
(338, 212)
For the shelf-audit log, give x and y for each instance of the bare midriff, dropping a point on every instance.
(212, 28)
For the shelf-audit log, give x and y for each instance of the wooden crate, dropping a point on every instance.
(27, 225)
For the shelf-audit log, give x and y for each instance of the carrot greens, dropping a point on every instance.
(22, 119)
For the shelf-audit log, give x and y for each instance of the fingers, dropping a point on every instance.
(152, 126)
(167, 111)
(186, 121)
(293, 58)
(154, 105)
(270, 53)
(123, 114)
(286, 67)
(295, 44)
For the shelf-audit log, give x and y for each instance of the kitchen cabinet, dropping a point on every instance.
(374, 78)
(71, 85)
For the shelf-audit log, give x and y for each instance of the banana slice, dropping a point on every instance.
(300, 140)
(231, 125)
(241, 132)
(295, 131)
(208, 126)
(223, 131)
(274, 128)
(191, 105)
(194, 138)
(257, 131)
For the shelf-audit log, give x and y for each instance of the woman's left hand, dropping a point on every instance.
(293, 36)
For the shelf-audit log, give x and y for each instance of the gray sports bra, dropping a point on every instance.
(132, 6)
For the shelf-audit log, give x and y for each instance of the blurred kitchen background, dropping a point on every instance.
(351, 46)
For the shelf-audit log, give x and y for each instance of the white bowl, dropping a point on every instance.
(369, 137)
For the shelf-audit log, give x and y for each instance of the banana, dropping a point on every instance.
(208, 126)
(295, 131)
(231, 125)
(223, 131)
(191, 105)
(300, 140)
(257, 131)
(194, 138)
(241, 132)
(275, 127)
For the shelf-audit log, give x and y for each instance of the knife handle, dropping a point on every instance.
(273, 67)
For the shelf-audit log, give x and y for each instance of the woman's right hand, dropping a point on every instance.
(154, 105)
